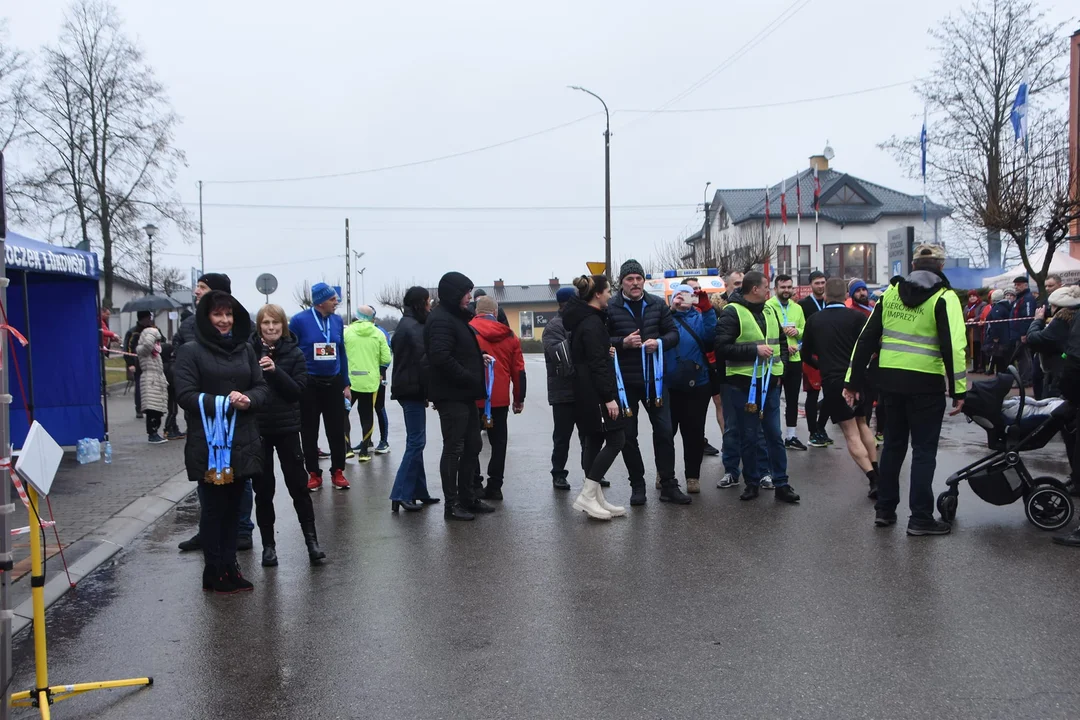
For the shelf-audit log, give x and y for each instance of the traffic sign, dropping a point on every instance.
(266, 284)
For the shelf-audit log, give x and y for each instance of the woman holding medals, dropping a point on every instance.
(219, 384)
(599, 395)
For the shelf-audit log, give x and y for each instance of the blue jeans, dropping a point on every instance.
(760, 436)
(411, 481)
(731, 453)
(247, 500)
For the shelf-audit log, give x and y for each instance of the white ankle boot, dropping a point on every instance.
(587, 501)
(615, 510)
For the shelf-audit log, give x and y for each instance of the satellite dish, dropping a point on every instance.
(266, 284)
(828, 153)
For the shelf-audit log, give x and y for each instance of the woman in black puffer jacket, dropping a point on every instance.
(409, 386)
(285, 370)
(221, 363)
(597, 408)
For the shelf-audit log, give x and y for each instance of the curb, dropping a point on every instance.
(112, 537)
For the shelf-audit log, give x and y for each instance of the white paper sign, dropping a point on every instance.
(40, 459)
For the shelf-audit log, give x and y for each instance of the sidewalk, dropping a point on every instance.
(97, 507)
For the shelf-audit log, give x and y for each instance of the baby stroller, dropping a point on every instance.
(1012, 426)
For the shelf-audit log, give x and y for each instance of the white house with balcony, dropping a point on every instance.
(854, 221)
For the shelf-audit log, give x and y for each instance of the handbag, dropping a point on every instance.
(714, 374)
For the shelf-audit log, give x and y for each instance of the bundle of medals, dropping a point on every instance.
(489, 377)
(657, 363)
(219, 431)
(752, 401)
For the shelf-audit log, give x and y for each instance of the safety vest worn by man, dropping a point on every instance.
(793, 316)
(909, 336)
(750, 332)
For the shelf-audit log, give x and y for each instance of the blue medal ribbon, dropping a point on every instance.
(820, 305)
(325, 328)
(219, 431)
(765, 390)
(657, 363)
(489, 372)
(751, 400)
(621, 387)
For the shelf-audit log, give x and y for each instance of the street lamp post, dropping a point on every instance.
(151, 230)
(708, 226)
(607, 179)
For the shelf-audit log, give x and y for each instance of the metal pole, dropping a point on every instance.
(202, 246)
(5, 493)
(607, 179)
(151, 264)
(348, 273)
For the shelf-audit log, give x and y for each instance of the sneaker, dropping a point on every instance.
(794, 444)
(314, 481)
(156, 439)
(244, 542)
(818, 440)
(710, 450)
(558, 482)
(478, 507)
(338, 480)
(879, 438)
(693, 485)
(383, 448)
(728, 481)
(786, 493)
(825, 436)
(363, 457)
(767, 483)
(928, 527)
(175, 435)
(884, 518)
(323, 454)
(349, 454)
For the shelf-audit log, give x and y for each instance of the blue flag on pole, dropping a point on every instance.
(922, 145)
(1019, 114)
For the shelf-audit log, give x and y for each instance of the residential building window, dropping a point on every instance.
(851, 260)
(783, 259)
(804, 265)
(526, 324)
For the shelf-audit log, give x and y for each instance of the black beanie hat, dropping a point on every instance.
(217, 281)
(631, 267)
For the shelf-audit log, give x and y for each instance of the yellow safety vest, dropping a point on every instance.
(794, 314)
(909, 336)
(750, 332)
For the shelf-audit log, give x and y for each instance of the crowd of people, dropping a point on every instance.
(614, 355)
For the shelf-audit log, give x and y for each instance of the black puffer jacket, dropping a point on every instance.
(455, 363)
(409, 380)
(594, 370)
(281, 414)
(559, 389)
(655, 323)
(186, 332)
(216, 365)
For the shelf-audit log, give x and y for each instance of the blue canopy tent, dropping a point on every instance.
(53, 301)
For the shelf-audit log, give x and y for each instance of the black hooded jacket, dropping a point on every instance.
(409, 380)
(455, 363)
(217, 365)
(914, 290)
(594, 370)
(281, 413)
(654, 322)
(728, 329)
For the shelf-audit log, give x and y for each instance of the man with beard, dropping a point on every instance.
(793, 324)
(815, 415)
(456, 382)
(641, 328)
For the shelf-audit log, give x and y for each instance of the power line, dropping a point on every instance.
(461, 208)
(289, 262)
(408, 164)
(789, 12)
(780, 103)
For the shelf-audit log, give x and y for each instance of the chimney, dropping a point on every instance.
(820, 162)
(499, 284)
(554, 282)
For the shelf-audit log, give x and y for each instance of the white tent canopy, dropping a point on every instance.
(1061, 264)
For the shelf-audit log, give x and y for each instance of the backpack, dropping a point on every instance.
(564, 361)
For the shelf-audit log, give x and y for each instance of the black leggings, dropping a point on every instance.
(219, 521)
(817, 414)
(292, 468)
(600, 451)
(689, 409)
(791, 384)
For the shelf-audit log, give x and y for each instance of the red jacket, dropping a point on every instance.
(851, 304)
(500, 342)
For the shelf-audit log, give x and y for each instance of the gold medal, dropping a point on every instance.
(227, 476)
(488, 424)
(751, 408)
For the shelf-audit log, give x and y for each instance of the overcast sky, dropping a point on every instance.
(274, 89)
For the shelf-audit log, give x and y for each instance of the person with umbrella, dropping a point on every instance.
(143, 320)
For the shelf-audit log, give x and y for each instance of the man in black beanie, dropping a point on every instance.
(206, 283)
(639, 321)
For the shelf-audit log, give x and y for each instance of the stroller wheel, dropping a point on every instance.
(1048, 507)
(946, 505)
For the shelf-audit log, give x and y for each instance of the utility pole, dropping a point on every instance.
(348, 275)
(202, 246)
(607, 179)
(706, 230)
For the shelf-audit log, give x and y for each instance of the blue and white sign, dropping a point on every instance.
(22, 253)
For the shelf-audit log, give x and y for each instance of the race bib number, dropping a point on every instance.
(326, 351)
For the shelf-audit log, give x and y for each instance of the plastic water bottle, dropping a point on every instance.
(108, 453)
(80, 451)
(348, 405)
(95, 450)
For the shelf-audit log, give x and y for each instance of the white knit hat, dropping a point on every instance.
(997, 296)
(1066, 297)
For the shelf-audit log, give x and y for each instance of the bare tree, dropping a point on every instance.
(14, 78)
(302, 295)
(1037, 203)
(984, 53)
(392, 295)
(104, 129)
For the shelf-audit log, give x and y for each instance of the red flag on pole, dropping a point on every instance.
(783, 202)
(817, 206)
(798, 199)
(767, 223)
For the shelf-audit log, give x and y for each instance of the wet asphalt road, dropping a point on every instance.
(720, 609)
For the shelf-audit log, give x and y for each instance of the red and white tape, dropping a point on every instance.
(6, 463)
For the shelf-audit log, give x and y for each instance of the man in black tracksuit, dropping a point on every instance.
(639, 320)
(560, 392)
(816, 416)
(456, 382)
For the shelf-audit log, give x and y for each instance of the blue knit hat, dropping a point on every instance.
(321, 292)
(855, 286)
(564, 295)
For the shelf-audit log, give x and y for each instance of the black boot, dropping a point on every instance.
(311, 539)
(193, 544)
(244, 542)
(454, 511)
(241, 583)
(223, 580)
(670, 492)
(269, 558)
(208, 577)
(637, 492)
(559, 482)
